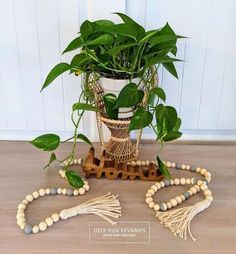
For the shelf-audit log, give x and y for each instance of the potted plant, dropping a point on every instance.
(123, 59)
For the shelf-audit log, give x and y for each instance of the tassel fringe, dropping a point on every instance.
(106, 207)
(178, 220)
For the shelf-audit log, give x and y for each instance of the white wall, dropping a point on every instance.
(34, 32)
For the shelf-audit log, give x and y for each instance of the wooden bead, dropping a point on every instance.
(75, 161)
(86, 187)
(203, 171)
(182, 197)
(182, 181)
(156, 207)
(64, 191)
(154, 187)
(75, 192)
(198, 169)
(49, 221)
(21, 206)
(197, 187)
(138, 163)
(158, 186)
(143, 163)
(207, 174)
(194, 190)
(190, 192)
(59, 191)
(48, 191)
(133, 163)
(80, 161)
(183, 166)
(164, 206)
(151, 204)
(178, 199)
(176, 181)
(81, 191)
(35, 229)
(162, 184)
(55, 217)
(172, 182)
(148, 194)
(188, 181)
(151, 191)
(22, 226)
(25, 202)
(168, 164)
(173, 165)
(42, 192)
(207, 192)
(35, 194)
(147, 162)
(148, 200)
(209, 197)
(173, 202)
(187, 167)
(43, 226)
(169, 205)
(199, 182)
(29, 198)
(203, 187)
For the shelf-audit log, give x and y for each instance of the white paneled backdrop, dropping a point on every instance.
(33, 33)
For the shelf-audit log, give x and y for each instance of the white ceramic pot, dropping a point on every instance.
(114, 86)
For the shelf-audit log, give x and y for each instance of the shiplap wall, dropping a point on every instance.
(34, 32)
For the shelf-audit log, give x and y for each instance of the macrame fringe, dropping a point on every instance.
(105, 207)
(178, 220)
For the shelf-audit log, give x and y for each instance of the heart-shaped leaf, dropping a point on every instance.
(46, 142)
(75, 44)
(163, 169)
(105, 39)
(83, 106)
(84, 138)
(140, 119)
(51, 160)
(110, 102)
(129, 96)
(159, 92)
(55, 72)
(74, 179)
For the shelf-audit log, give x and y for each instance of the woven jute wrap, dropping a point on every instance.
(120, 147)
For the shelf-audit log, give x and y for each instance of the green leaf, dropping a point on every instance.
(163, 169)
(110, 102)
(104, 22)
(51, 160)
(55, 72)
(78, 62)
(172, 135)
(129, 96)
(159, 92)
(105, 39)
(169, 66)
(163, 38)
(83, 106)
(117, 49)
(174, 50)
(148, 35)
(88, 28)
(46, 142)
(84, 138)
(75, 44)
(161, 60)
(140, 119)
(74, 179)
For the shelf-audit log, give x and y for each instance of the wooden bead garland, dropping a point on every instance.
(178, 220)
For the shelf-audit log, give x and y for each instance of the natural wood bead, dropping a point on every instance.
(29, 198)
(182, 197)
(75, 192)
(173, 165)
(194, 190)
(154, 187)
(55, 217)
(86, 187)
(169, 206)
(25, 202)
(148, 194)
(143, 163)
(164, 206)
(168, 164)
(203, 171)
(207, 192)
(162, 184)
(209, 197)
(80, 161)
(138, 163)
(156, 207)
(59, 191)
(64, 191)
(207, 174)
(35, 194)
(183, 166)
(172, 182)
(173, 202)
(187, 167)
(199, 182)
(75, 161)
(147, 162)
(198, 169)
(178, 199)
(42, 192)
(43, 226)
(158, 186)
(182, 181)
(22, 226)
(151, 204)
(21, 206)
(148, 200)
(35, 229)
(48, 191)
(49, 221)
(188, 181)
(81, 191)
(203, 187)
(151, 191)
(176, 180)
(133, 163)
(190, 192)
(197, 187)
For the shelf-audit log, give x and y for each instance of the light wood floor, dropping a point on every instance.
(21, 173)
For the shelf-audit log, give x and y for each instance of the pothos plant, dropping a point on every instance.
(119, 51)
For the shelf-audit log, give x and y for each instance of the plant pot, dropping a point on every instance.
(114, 86)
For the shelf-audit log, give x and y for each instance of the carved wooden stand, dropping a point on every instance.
(92, 166)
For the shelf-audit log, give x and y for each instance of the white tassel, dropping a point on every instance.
(105, 207)
(178, 220)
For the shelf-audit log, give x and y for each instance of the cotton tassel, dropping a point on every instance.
(178, 220)
(105, 206)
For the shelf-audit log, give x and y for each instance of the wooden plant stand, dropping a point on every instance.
(112, 170)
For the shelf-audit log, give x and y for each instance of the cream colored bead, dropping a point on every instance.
(49, 221)
(187, 167)
(207, 174)
(85, 182)
(151, 204)
(20, 213)
(80, 161)
(59, 190)
(168, 164)
(158, 186)
(151, 191)
(75, 192)
(21, 206)
(183, 166)
(48, 191)
(35, 194)
(138, 163)
(176, 180)
(203, 187)
(86, 187)
(173, 165)
(43, 226)
(203, 171)
(60, 171)
(25, 202)
(169, 205)
(182, 181)
(75, 161)
(156, 207)
(207, 192)
(172, 182)
(182, 197)
(64, 191)
(188, 181)
(55, 217)
(162, 184)
(199, 182)
(63, 174)
(148, 194)
(143, 163)
(133, 163)
(178, 199)
(197, 187)
(35, 229)
(128, 163)
(81, 191)
(148, 200)
(198, 169)
(20, 216)
(190, 192)
(209, 197)
(42, 192)
(22, 226)
(147, 162)
(154, 187)
(194, 190)
(20, 221)
(29, 198)
(173, 202)
(72, 162)
(164, 206)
